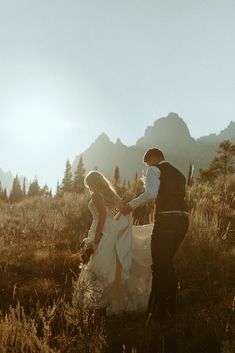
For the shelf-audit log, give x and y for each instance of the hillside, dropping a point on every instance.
(170, 134)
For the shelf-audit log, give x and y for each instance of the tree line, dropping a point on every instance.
(75, 183)
(223, 164)
(18, 192)
(71, 183)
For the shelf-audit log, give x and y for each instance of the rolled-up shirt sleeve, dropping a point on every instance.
(152, 183)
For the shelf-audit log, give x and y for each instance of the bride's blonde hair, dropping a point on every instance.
(96, 181)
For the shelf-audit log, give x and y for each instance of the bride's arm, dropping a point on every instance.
(119, 204)
(99, 203)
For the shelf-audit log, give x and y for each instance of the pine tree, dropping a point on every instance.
(16, 192)
(24, 187)
(137, 186)
(124, 185)
(45, 191)
(4, 195)
(34, 189)
(79, 176)
(58, 189)
(121, 189)
(117, 177)
(67, 182)
(1, 191)
(222, 165)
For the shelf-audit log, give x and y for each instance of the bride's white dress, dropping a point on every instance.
(118, 275)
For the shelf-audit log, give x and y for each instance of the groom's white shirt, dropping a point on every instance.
(152, 183)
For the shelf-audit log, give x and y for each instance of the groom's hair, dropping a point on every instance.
(153, 152)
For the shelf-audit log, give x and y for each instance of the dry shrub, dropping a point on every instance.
(18, 333)
(56, 328)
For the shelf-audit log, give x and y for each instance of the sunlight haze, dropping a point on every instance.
(70, 70)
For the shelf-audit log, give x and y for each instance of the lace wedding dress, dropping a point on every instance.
(118, 274)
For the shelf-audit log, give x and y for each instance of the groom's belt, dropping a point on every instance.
(186, 213)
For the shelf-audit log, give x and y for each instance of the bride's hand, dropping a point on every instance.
(117, 216)
(122, 206)
(126, 210)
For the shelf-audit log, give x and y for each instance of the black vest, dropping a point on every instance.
(171, 193)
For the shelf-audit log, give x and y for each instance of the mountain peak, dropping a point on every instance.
(170, 129)
(102, 138)
(229, 132)
(170, 134)
(172, 120)
(173, 115)
(231, 125)
(119, 142)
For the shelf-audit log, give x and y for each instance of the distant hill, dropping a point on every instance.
(170, 134)
(6, 179)
(227, 134)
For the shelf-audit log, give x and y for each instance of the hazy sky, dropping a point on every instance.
(72, 69)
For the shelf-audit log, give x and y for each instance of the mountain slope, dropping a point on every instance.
(227, 134)
(170, 134)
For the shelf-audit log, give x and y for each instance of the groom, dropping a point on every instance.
(166, 185)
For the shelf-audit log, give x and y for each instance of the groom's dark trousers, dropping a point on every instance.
(168, 233)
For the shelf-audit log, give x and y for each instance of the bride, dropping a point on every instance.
(117, 275)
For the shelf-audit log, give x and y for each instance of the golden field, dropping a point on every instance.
(40, 240)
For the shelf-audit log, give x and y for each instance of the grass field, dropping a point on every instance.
(40, 239)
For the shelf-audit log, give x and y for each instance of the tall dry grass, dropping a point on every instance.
(38, 240)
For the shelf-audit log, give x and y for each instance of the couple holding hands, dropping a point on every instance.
(130, 267)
